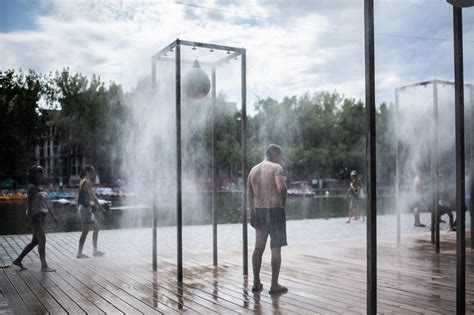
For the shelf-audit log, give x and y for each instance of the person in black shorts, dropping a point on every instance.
(266, 197)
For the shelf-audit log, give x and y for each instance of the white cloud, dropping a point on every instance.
(295, 47)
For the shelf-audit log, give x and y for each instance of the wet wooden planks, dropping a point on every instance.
(326, 277)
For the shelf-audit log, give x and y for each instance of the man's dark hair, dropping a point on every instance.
(273, 151)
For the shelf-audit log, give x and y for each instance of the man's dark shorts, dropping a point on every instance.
(272, 221)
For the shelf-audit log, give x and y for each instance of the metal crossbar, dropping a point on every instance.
(234, 52)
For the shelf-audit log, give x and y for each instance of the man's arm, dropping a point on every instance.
(280, 184)
(250, 202)
(250, 195)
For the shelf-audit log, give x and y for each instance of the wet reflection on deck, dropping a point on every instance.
(325, 276)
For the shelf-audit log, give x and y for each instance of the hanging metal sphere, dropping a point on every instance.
(196, 83)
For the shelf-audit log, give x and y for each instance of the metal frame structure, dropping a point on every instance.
(434, 157)
(371, 153)
(371, 157)
(232, 52)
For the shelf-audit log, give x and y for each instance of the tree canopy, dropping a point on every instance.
(21, 119)
(322, 133)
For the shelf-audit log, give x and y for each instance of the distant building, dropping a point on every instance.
(62, 164)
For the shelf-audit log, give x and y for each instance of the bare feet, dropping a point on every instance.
(19, 264)
(80, 256)
(257, 287)
(279, 289)
(98, 253)
(47, 269)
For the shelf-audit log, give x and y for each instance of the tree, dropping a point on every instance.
(21, 119)
(91, 119)
(323, 134)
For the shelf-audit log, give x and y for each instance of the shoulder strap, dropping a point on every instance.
(82, 185)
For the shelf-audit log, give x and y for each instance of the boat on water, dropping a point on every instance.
(13, 196)
(300, 188)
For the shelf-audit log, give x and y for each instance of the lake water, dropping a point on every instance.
(196, 211)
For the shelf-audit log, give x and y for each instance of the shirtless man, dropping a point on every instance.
(266, 191)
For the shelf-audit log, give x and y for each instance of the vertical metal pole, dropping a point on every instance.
(179, 196)
(154, 214)
(397, 166)
(244, 159)
(460, 155)
(214, 168)
(371, 158)
(435, 160)
(471, 178)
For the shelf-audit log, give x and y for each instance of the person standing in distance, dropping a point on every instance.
(354, 192)
(266, 191)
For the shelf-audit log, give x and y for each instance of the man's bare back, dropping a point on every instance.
(266, 186)
(266, 191)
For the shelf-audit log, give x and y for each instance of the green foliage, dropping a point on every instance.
(21, 119)
(91, 119)
(322, 134)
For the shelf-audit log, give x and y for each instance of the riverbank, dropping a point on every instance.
(196, 211)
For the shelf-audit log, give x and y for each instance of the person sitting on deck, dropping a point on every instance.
(85, 211)
(266, 191)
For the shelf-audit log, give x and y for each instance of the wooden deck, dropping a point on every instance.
(323, 277)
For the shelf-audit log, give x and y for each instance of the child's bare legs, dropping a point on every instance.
(351, 211)
(82, 240)
(95, 237)
(38, 230)
(39, 238)
(28, 248)
(356, 212)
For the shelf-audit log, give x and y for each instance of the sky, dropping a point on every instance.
(293, 47)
